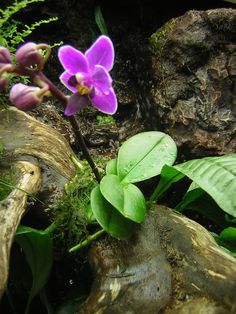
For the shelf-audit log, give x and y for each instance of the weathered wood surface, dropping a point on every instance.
(11, 211)
(171, 265)
(43, 158)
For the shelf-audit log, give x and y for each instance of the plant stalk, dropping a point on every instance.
(87, 241)
(78, 135)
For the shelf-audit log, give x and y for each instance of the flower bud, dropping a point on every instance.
(5, 57)
(28, 55)
(25, 97)
(3, 82)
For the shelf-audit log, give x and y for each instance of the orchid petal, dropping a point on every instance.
(76, 103)
(101, 79)
(72, 59)
(101, 52)
(106, 103)
(65, 78)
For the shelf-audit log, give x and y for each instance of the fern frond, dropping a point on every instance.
(14, 8)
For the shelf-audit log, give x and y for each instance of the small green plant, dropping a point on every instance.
(100, 20)
(12, 31)
(105, 119)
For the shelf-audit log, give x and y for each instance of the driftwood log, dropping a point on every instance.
(171, 265)
(42, 157)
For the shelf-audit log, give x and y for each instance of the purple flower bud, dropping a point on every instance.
(28, 55)
(5, 57)
(25, 97)
(3, 82)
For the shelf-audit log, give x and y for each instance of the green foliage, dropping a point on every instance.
(38, 249)
(100, 20)
(227, 239)
(216, 176)
(109, 218)
(126, 198)
(142, 156)
(117, 199)
(105, 119)
(212, 193)
(12, 31)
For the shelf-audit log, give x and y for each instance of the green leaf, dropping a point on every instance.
(134, 203)
(111, 167)
(113, 191)
(109, 218)
(189, 198)
(142, 156)
(227, 239)
(229, 235)
(216, 176)
(199, 201)
(100, 21)
(37, 246)
(126, 198)
(169, 175)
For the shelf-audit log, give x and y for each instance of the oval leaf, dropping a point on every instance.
(142, 156)
(109, 218)
(113, 192)
(127, 198)
(217, 176)
(111, 167)
(134, 203)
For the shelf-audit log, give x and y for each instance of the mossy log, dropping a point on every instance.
(43, 158)
(171, 265)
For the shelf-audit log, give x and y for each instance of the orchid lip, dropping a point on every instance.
(79, 77)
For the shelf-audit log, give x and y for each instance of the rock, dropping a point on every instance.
(171, 265)
(194, 91)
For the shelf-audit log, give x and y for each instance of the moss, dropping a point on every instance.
(7, 178)
(105, 119)
(7, 183)
(73, 218)
(159, 39)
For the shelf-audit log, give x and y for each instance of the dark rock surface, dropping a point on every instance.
(194, 94)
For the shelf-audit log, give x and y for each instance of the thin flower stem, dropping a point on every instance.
(87, 241)
(78, 135)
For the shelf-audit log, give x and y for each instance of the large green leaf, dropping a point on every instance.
(143, 156)
(199, 201)
(215, 175)
(37, 246)
(126, 198)
(109, 218)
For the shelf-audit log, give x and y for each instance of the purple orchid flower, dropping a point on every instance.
(87, 76)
